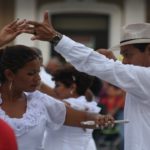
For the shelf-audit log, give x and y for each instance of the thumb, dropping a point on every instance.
(46, 20)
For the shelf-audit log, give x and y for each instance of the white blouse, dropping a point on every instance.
(72, 138)
(42, 112)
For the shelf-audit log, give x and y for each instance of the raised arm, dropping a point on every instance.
(130, 78)
(10, 31)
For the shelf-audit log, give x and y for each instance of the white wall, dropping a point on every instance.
(135, 11)
(25, 9)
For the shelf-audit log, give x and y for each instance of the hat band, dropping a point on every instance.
(132, 40)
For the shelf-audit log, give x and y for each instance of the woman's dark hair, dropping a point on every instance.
(96, 86)
(14, 58)
(141, 46)
(69, 75)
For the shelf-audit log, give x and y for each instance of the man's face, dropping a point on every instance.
(132, 55)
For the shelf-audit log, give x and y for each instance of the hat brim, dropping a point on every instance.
(136, 41)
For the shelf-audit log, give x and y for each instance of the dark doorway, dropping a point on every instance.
(88, 28)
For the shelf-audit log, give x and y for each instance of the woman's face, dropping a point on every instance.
(27, 79)
(63, 92)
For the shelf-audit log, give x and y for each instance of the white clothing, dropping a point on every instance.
(42, 112)
(133, 79)
(46, 78)
(73, 138)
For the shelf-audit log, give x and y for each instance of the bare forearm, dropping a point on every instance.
(47, 89)
(75, 117)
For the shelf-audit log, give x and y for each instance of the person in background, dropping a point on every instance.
(71, 86)
(53, 64)
(112, 102)
(45, 77)
(132, 75)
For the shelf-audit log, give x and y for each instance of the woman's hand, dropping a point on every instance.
(103, 121)
(11, 30)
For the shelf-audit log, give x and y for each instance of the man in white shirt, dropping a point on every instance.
(132, 78)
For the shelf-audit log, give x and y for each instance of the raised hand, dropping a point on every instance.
(41, 30)
(11, 30)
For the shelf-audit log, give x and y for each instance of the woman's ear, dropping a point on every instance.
(73, 88)
(9, 74)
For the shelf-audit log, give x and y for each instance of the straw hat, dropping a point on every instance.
(134, 33)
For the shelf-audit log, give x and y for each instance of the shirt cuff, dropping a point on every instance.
(64, 45)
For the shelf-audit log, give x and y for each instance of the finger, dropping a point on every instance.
(46, 20)
(17, 33)
(36, 37)
(29, 28)
(11, 24)
(22, 25)
(21, 22)
(34, 23)
(101, 120)
(27, 31)
(106, 124)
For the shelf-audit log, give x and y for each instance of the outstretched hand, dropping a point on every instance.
(41, 30)
(104, 121)
(11, 30)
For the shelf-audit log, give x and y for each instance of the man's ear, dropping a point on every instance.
(9, 74)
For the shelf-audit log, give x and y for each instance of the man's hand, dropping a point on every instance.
(10, 31)
(109, 54)
(41, 30)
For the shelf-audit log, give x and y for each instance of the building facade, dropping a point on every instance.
(96, 23)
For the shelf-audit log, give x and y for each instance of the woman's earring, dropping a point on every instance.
(10, 86)
(71, 92)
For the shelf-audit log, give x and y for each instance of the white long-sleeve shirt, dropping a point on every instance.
(133, 79)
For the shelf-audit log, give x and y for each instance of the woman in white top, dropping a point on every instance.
(27, 111)
(71, 86)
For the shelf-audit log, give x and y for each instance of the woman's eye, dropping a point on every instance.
(30, 74)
